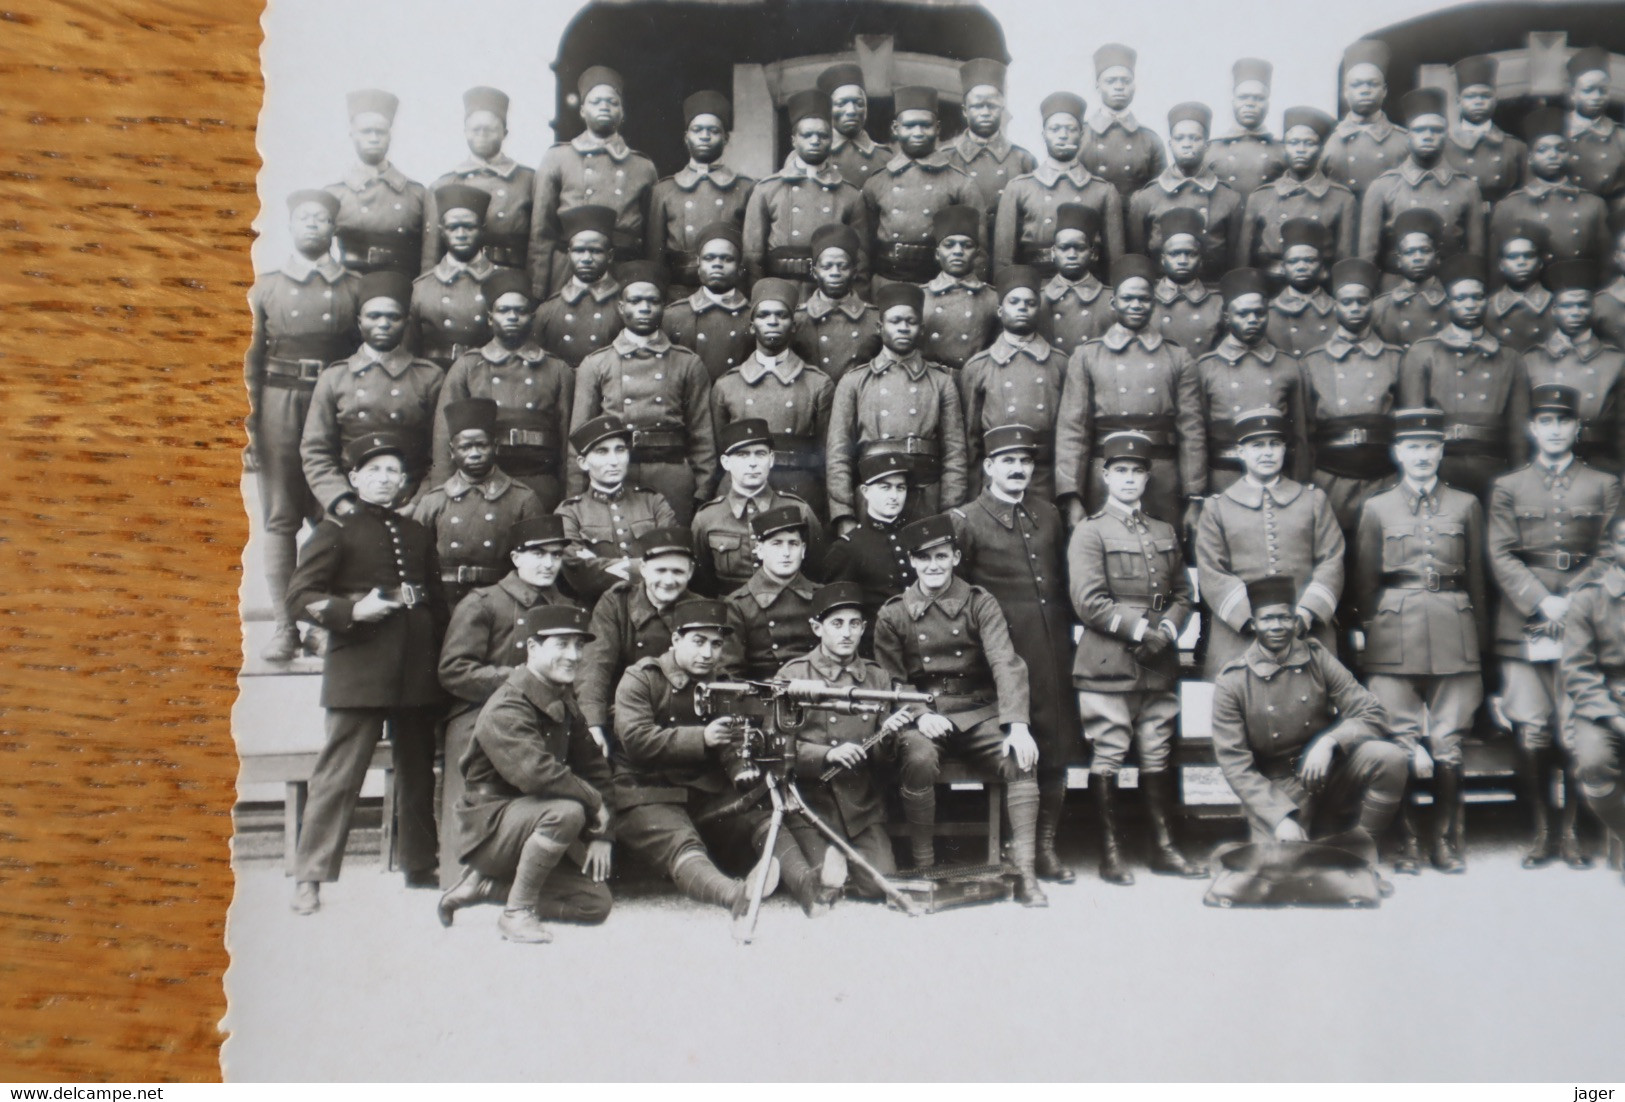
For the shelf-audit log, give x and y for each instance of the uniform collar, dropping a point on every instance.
(952, 599)
(863, 143)
(765, 588)
(735, 502)
(689, 176)
(1538, 189)
(787, 367)
(1239, 133)
(1173, 181)
(299, 269)
(629, 344)
(642, 610)
(525, 594)
(1377, 126)
(1453, 336)
(677, 677)
(1468, 135)
(1102, 119)
(819, 305)
(1087, 289)
(605, 289)
(1050, 172)
(614, 145)
(1004, 348)
(1559, 344)
(1415, 498)
(360, 176)
(1119, 336)
(501, 165)
(1004, 512)
(1265, 664)
(702, 301)
(1244, 491)
(394, 362)
(935, 161)
(1293, 302)
(1134, 518)
(834, 672)
(1505, 300)
(943, 283)
(1168, 291)
(496, 352)
(1287, 185)
(970, 146)
(495, 485)
(617, 494)
(1602, 125)
(1430, 289)
(450, 268)
(547, 698)
(1234, 351)
(825, 174)
(1554, 477)
(1413, 173)
(913, 365)
(1343, 342)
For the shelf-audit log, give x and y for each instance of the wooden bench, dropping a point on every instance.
(960, 776)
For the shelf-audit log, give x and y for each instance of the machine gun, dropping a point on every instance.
(763, 760)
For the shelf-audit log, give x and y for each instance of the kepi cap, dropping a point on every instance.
(783, 519)
(1127, 444)
(924, 534)
(1264, 421)
(537, 532)
(1551, 398)
(363, 448)
(548, 620)
(1009, 438)
(666, 541)
(872, 468)
(736, 434)
(697, 614)
(589, 434)
(836, 595)
(1420, 423)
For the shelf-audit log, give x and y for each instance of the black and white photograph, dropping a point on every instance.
(934, 541)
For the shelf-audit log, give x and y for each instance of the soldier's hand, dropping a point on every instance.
(1421, 762)
(847, 755)
(1019, 743)
(598, 862)
(933, 726)
(721, 731)
(1076, 514)
(1306, 623)
(1317, 762)
(897, 721)
(845, 525)
(1290, 830)
(600, 821)
(344, 506)
(373, 607)
(1554, 608)
(601, 737)
(621, 568)
(1153, 643)
(1357, 641)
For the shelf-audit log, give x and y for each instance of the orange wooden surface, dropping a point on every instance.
(127, 167)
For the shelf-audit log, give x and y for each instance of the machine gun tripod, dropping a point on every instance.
(771, 712)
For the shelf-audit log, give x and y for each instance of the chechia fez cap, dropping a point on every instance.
(1571, 275)
(486, 99)
(1418, 220)
(386, 283)
(534, 533)
(1251, 68)
(471, 413)
(595, 75)
(1462, 266)
(709, 103)
(956, 221)
(836, 595)
(699, 613)
(914, 97)
(1238, 282)
(325, 199)
(1076, 216)
(588, 216)
(979, 71)
(462, 197)
(559, 620)
(1366, 51)
(372, 101)
(1272, 589)
(835, 235)
(506, 281)
(1062, 103)
(1312, 117)
(1114, 55)
(924, 534)
(1355, 269)
(1132, 266)
(811, 104)
(1476, 70)
(840, 76)
(900, 294)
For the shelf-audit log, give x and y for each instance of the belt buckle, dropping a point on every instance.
(1432, 579)
(309, 370)
(1455, 431)
(1159, 602)
(411, 595)
(1565, 561)
(465, 575)
(914, 445)
(379, 254)
(1355, 436)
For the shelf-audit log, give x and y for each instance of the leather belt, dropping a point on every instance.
(366, 251)
(1465, 436)
(407, 594)
(1158, 427)
(1153, 602)
(506, 252)
(445, 357)
(906, 262)
(1556, 560)
(473, 575)
(790, 262)
(527, 438)
(683, 265)
(797, 453)
(945, 685)
(280, 371)
(659, 445)
(1430, 580)
(1036, 256)
(921, 452)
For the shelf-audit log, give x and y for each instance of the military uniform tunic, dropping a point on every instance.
(379, 226)
(369, 392)
(1219, 207)
(1597, 158)
(533, 392)
(1024, 225)
(1189, 314)
(772, 621)
(725, 543)
(1014, 383)
(449, 314)
(1286, 197)
(1236, 378)
(1137, 381)
(506, 237)
(836, 336)
(1352, 388)
(961, 319)
(1575, 221)
(1609, 313)
(1597, 371)
(626, 628)
(1359, 150)
(858, 158)
(901, 201)
(1521, 319)
(1410, 311)
(1483, 389)
(1246, 160)
(579, 320)
(785, 208)
(873, 555)
(1299, 323)
(682, 206)
(851, 801)
(795, 400)
(1252, 531)
(1441, 189)
(991, 164)
(1489, 156)
(471, 523)
(1121, 151)
(717, 329)
(907, 405)
(603, 529)
(1594, 679)
(1072, 312)
(588, 170)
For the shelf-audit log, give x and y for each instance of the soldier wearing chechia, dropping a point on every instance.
(1364, 144)
(714, 321)
(1302, 313)
(1419, 597)
(1249, 156)
(1546, 522)
(1574, 356)
(379, 225)
(982, 149)
(1187, 311)
(1610, 300)
(1076, 306)
(836, 329)
(1302, 191)
(1188, 184)
(961, 311)
(449, 311)
(1413, 308)
(1519, 313)
(1491, 157)
(510, 184)
(1596, 142)
(581, 316)
(1574, 220)
(1131, 591)
(853, 152)
(605, 522)
(704, 191)
(1116, 147)
(772, 610)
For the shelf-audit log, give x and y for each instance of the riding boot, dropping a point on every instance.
(1534, 785)
(1103, 791)
(1021, 807)
(519, 921)
(1051, 803)
(1408, 857)
(281, 553)
(1447, 856)
(920, 811)
(1166, 859)
(1573, 853)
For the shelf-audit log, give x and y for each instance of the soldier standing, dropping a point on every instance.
(1480, 383)
(982, 150)
(594, 167)
(1546, 522)
(510, 184)
(304, 319)
(854, 153)
(1364, 144)
(950, 638)
(1574, 220)
(485, 643)
(961, 312)
(835, 329)
(449, 312)
(1075, 307)
(1488, 155)
(723, 538)
(1302, 191)
(370, 577)
(379, 225)
(714, 321)
(1130, 590)
(898, 402)
(533, 392)
(1574, 356)
(1028, 219)
(703, 192)
(1301, 314)
(786, 208)
(1191, 184)
(1116, 147)
(1415, 307)
(1187, 311)
(1248, 157)
(1266, 525)
(1596, 142)
(1520, 310)
(1610, 301)
(659, 389)
(581, 316)
(1419, 597)
(773, 609)
(903, 198)
(1011, 544)
(871, 553)
(1097, 400)
(606, 521)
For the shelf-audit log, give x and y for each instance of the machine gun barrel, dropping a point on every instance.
(818, 692)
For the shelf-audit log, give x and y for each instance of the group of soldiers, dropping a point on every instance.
(952, 418)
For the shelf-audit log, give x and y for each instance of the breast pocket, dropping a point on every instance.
(1125, 561)
(1449, 541)
(731, 552)
(1396, 548)
(1531, 525)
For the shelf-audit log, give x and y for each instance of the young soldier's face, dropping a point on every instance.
(849, 108)
(539, 566)
(473, 453)
(900, 329)
(1426, 137)
(935, 566)
(379, 480)
(810, 138)
(511, 317)
(706, 138)
(1353, 302)
(1520, 262)
(1187, 141)
(1364, 87)
(461, 230)
(1018, 311)
(1181, 257)
(1275, 625)
(641, 308)
(1554, 434)
(1262, 456)
(1131, 302)
(555, 658)
(1572, 309)
(589, 256)
(719, 265)
(369, 133)
(1477, 103)
(782, 553)
(915, 133)
(770, 323)
(956, 255)
(1063, 136)
(601, 110)
(697, 651)
(748, 466)
(312, 229)
(1417, 257)
(606, 462)
(1302, 266)
(1465, 299)
(382, 322)
(1418, 459)
(1245, 316)
(884, 497)
(833, 271)
(484, 132)
(1250, 103)
(1009, 472)
(984, 110)
(665, 577)
(1126, 480)
(1302, 149)
(1073, 253)
(1549, 157)
(1589, 93)
(840, 632)
(1116, 86)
